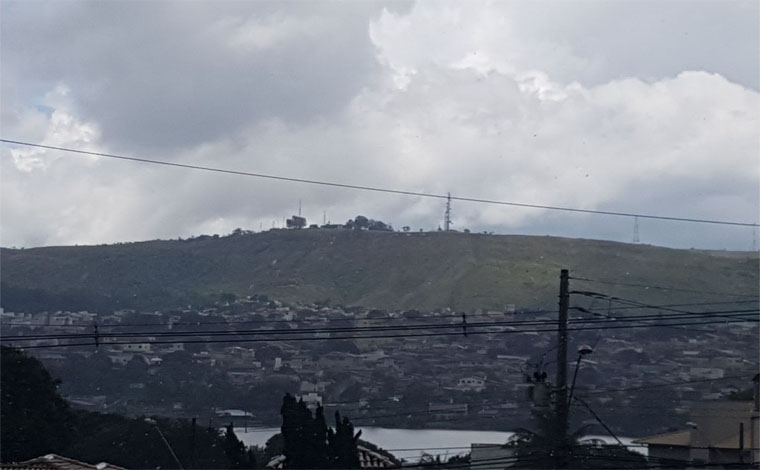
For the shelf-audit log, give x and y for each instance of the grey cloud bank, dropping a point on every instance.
(613, 106)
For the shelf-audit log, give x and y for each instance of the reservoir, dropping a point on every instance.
(410, 444)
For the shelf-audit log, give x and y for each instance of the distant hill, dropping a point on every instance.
(386, 270)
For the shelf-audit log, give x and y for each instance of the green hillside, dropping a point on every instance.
(373, 269)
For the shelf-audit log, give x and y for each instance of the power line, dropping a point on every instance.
(689, 304)
(541, 452)
(734, 315)
(295, 321)
(384, 336)
(733, 318)
(366, 319)
(384, 190)
(642, 305)
(449, 317)
(596, 417)
(651, 286)
(669, 384)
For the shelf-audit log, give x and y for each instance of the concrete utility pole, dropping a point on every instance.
(561, 404)
(193, 456)
(754, 426)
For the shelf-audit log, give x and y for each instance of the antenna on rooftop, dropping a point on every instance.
(447, 215)
(635, 230)
(299, 208)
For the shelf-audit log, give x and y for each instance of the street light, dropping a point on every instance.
(153, 423)
(582, 351)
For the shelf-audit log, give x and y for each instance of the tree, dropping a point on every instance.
(361, 222)
(343, 450)
(236, 453)
(233, 448)
(309, 443)
(302, 445)
(379, 225)
(742, 395)
(275, 446)
(35, 419)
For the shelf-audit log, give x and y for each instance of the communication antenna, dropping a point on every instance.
(635, 230)
(299, 208)
(447, 215)
(324, 217)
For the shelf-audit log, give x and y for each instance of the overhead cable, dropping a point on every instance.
(384, 190)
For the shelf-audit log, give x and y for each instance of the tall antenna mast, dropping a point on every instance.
(447, 216)
(635, 230)
(324, 217)
(299, 208)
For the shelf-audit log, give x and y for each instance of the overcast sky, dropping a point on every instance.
(649, 107)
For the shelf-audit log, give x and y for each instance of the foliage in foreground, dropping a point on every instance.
(545, 449)
(309, 443)
(36, 421)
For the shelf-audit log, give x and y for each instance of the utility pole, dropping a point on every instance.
(447, 216)
(193, 458)
(561, 404)
(754, 426)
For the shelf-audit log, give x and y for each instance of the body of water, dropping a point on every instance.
(410, 444)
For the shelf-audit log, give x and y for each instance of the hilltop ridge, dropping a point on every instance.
(388, 270)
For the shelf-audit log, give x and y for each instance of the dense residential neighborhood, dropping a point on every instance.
(475, 378)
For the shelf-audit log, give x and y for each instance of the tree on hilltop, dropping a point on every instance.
(361, 222)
